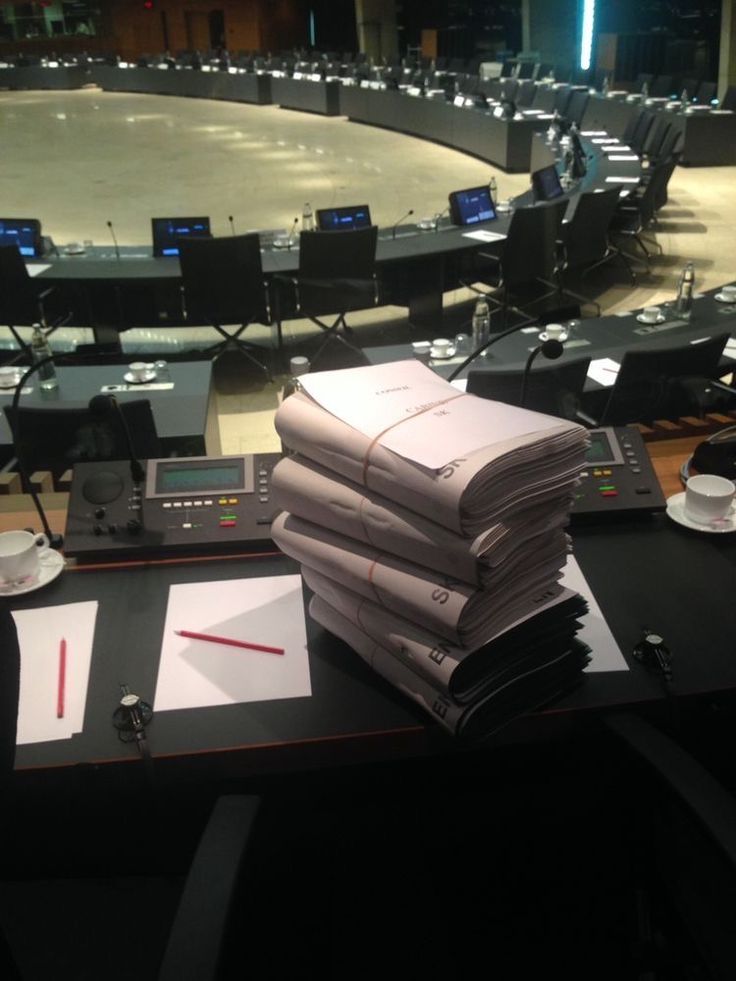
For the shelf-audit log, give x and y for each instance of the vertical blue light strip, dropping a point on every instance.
(312, 32)
(586, 38)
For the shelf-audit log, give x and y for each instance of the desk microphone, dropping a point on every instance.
(105, 405)
(55, 541)
(438, 217)
(408, 214)
(114, 239)
(494, 339)
(232, 223)
(551, 349)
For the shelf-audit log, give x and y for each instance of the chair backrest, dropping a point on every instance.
(664, 171)
(637, 140)
(223, 279)
(338, 255)
(56, 438)
(586, 234)
(729, 98)
(530, 249)
(706, 93)
(648, 382)
(661, 86)
(575, 109)
(657, 134)
(671, 143)
(552, 388)
(18, 294)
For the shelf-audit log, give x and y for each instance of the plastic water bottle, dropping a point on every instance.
(645, 90)
(493, 191)
(685, 286)
(40, 349)
(298, 366)
(684, 100)
(307, 218)
(481, 323)
(605, 86)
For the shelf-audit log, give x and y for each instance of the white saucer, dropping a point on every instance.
(545, 337)
(132, 379)
(9, 384)
(427, 226)
(643, 320)
(676, 511)
(51, 565)
(79, 251)
(725, 299)
(447, 353)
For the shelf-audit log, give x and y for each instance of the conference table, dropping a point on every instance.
(183, 404)
(645, 572)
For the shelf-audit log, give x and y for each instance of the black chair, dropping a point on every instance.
(658, 132)
(655, 383)
(337, 274)
(553, 388)
(705, 94)
(576, 106)
(729, 98)
(637, 140)
(529, 259)
(55, 439)
(22, 298)
(586, 244)
(663, 85)
(223, 283)
(637, 213)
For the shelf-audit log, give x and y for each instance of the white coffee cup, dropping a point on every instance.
(555, 332)
(441, 346)
(651, 314)
(138, 369)
(9, 376)
(20, 556)
(708, 497)
(728, 292)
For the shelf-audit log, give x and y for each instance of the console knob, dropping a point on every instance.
(100, 512)
(112, 528)
(98, 530)
(134, 526)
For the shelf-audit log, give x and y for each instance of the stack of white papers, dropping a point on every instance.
(430, 525)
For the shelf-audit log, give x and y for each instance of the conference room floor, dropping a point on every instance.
(127, 158)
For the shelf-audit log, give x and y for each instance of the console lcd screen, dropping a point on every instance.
(199, 476)
(546, 184)
(167, 232)
(471, 206)
(23, 232)
(352, 216)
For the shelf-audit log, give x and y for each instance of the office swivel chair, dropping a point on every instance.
(22, 298)
(528, 260)
(637, 213)
(337, 274)
(658, 383)
(223, 283)
(552, 388)
(54, 439)
(585, 241)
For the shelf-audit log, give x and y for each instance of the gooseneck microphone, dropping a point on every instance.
(232, 223)
(55, 541)
(494, 339)
(114, 239)
(293, 230)
(552, 349)
(105, 405)
(408, 214)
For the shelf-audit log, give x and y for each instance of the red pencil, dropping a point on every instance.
(231, 643)
(61, 687)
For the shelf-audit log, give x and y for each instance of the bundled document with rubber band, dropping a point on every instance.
(430, 525)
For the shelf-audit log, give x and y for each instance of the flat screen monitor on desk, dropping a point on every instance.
(546, 184)
(167, 232)
(23, 232)
(471, 206)
(336, 219)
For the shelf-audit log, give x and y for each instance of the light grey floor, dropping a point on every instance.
(79, 159)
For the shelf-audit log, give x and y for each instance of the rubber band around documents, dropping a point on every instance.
(376, 439)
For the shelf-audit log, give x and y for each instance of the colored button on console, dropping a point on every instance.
(228, 523)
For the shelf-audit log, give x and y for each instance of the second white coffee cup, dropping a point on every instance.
(20, 556)
(708, 497)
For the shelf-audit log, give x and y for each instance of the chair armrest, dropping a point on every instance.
(197, 935)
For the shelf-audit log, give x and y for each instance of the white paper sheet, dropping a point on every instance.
(730, 349)
(603, 371)
(39, 633)
(622, 180)
(36, 268)
(605, 653)
(623, 156)
(375, 400)
(267, 610)
(481, 235)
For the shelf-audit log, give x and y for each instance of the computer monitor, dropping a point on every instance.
(471, 206)
(167, 232)
(23, 232)
(338, 219)
(546, 184)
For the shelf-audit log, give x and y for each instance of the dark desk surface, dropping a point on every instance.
(184, 414)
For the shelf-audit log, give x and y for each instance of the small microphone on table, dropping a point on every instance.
(114, 239)
(293, 230)
(552, 349)
(232, 223)
(105, 405)
(408, 214)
